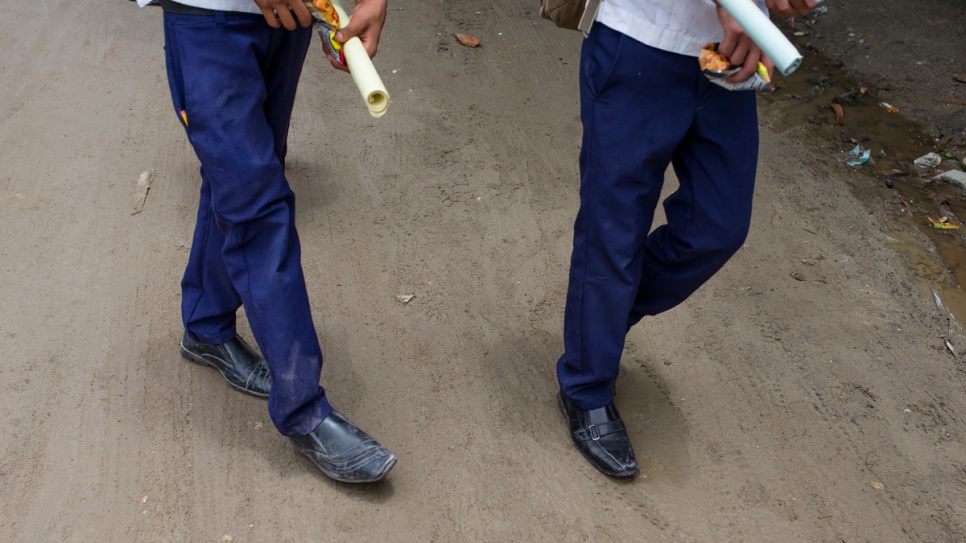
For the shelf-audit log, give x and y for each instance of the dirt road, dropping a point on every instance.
(805, 394)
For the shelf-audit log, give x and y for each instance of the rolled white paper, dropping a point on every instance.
(363, 72)
(765, 34)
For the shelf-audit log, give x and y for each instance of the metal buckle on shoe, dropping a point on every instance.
(594, 434)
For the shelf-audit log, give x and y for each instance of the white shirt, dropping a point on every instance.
(244, 6)
(678, 26)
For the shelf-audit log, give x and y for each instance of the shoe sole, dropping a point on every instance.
(387, 467)
(586, 456)
(200, 360)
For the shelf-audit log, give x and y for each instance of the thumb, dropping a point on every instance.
(347, 32)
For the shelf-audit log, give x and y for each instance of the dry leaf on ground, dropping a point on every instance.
(468, 40)
(839, 113)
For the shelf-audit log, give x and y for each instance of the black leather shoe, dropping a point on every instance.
(601, 437)
(242, 367)
(344, 452)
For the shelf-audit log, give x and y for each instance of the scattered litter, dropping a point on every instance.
(405, 298)
(839, 113)
(907, 410)
(949, 154)
(141, 191)
(856, 157)
(943, 223)
(939, 302)
(227, 538)
(800, 34)
(950, 347)
(889, 107)
(930, 160)
(877, 485)
(258, 425)
(960, 78)
(953, 177)
(144, 499)
(467, 40)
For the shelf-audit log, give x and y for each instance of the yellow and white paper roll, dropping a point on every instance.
(363, 72)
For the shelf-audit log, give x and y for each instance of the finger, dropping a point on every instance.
(372, 46)
(301, 12)
(780, 7)
(727, 45)
(350, 30)
(747, 69)
(285, 16)
(335, 63)
(738, 56)
(270, 17)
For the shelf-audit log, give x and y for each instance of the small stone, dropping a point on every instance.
(889, 183)
(953, 177)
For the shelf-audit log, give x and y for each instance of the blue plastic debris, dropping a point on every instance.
(856, 157)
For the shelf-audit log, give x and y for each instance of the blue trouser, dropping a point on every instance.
(235, 77)
(642, 109)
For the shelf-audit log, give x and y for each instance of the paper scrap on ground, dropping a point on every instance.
(764, 33)
(141, 191)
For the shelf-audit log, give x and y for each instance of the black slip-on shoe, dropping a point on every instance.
(344, 452)
(601, 437)
(243, 368)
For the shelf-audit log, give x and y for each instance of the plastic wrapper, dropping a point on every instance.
(326, 22)
(717, 68)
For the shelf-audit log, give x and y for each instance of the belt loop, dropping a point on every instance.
(220, 17)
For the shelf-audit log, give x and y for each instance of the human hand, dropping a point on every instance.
(366, 22)
(791, 8)
(279, 13)
(738, 47)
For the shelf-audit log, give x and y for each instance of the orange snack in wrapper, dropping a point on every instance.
(711, 60)
(717, 68)
(327, 12)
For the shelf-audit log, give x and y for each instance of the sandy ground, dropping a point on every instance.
(804, 394)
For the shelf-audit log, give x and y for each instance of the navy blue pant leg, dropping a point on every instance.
(642, 110)
(236, 79)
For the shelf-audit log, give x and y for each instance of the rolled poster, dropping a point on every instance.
(765, 34)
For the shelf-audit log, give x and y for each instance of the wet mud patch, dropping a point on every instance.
(845, 120)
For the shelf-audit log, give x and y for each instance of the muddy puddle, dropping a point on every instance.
(837, 114)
